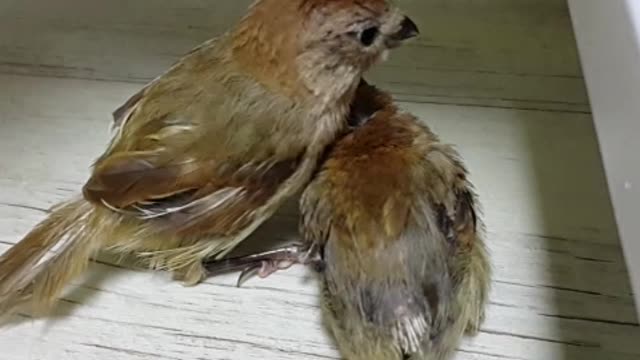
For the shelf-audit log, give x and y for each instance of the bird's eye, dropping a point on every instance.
(368, 36)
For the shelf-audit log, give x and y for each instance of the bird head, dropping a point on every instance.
(319, 48)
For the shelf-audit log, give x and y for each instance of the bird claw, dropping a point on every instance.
(248, 272)
(262, 264)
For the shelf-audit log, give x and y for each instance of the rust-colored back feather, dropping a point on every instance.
(127, 178)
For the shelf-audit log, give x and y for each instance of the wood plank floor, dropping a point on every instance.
(498, 78)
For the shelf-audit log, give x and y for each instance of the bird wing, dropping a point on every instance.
(443, 227)
(419, 309)
(163, 164)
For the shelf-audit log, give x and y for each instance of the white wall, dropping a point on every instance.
(608, 34)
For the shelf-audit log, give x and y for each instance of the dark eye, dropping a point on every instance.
(368, 36)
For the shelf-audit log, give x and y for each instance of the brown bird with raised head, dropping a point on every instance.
(207, 151)
(390, 223)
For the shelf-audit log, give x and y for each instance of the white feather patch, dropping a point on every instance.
(409, 333)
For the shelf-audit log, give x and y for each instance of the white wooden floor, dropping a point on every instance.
(500, 78)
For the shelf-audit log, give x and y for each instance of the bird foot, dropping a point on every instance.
(265, 263)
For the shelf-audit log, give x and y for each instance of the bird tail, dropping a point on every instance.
(76, 233)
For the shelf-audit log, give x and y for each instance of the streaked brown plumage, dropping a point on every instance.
(390, 223)
(207, 151)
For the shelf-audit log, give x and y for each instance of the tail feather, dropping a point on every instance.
(73, 229)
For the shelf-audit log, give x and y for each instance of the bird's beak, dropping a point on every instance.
(408, 29)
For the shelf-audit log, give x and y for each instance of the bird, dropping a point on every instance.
(211, 148)
(391, 225)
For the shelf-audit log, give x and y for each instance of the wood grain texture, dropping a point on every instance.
(500, 79)
(503, 53)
